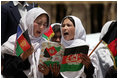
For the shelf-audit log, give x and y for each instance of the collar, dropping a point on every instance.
(18, 3)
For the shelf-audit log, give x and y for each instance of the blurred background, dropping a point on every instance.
(93, 14)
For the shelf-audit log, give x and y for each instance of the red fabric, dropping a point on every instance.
(52, 51)
(71, 58)
(23, 43)
(49, 32)
(113, 47)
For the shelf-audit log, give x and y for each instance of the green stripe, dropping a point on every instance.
(45, 36)
(51, 62)
(18, 49)
(67, 67)
(58, 48)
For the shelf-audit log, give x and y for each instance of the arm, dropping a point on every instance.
(89, 68)
(3, 22)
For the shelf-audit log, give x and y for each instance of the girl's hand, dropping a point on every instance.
(85, 60)
(43, 68)
(27, 53)
(55, 69)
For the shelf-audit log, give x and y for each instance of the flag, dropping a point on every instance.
(22, 41)
(51, 51)
(49, 34)
(110, 38)
(71, 60)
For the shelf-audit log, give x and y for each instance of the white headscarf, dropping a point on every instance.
(105, 29)
(28, 22)
(52, 25)
(80, 34)
(79, 40)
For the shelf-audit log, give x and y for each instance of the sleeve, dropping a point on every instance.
(3, 22)
(97, 69)
(89, 72)
(14, 65)
(105, 59)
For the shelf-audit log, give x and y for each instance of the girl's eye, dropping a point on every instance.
(45, 24)
(38, 23)
(63, 25)
(68, 25)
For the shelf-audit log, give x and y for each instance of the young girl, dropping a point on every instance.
(37, 22)
(73, 34)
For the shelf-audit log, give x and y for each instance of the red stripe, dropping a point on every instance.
(23, 43)
(49, 32)
(113, 47)
(71, 58)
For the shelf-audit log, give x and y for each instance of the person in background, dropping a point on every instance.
(11, 13)
(73, 34)
(53, 71)
(103, 53)
(56, 28)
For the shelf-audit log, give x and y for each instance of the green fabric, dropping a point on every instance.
(45, 36)
(51, 62)
(67, 67)
(18, 49)
(58, 48)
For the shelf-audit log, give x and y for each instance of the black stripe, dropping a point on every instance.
(76, 50)
(25, 34)
(46, 54)
(111, 33)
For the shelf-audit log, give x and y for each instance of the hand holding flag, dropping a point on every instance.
(27, 53)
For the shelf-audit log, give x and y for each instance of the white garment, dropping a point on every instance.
(79, 40)
(52, 25)
(22, 8)
(8, 46)
(26, 22)
(103, 53)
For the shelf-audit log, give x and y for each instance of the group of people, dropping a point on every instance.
(70, 32)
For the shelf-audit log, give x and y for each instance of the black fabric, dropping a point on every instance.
(111, 73)
(89, 72)
(76, 50)
(10, 17)
(50, 75)
(13, 67)
(25, 34)
(111, 33)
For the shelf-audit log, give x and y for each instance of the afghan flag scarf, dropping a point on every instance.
(110, 38)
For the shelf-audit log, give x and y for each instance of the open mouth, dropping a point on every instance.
(66, 33)
(38, 32)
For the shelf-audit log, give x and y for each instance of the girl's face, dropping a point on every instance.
(68, 30)
(39, 25)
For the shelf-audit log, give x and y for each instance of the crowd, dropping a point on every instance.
(70, 32)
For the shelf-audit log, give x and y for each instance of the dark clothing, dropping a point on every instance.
(50, 75)
(10, 17)
(89, 72)
(13, 67)
(111, 73)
